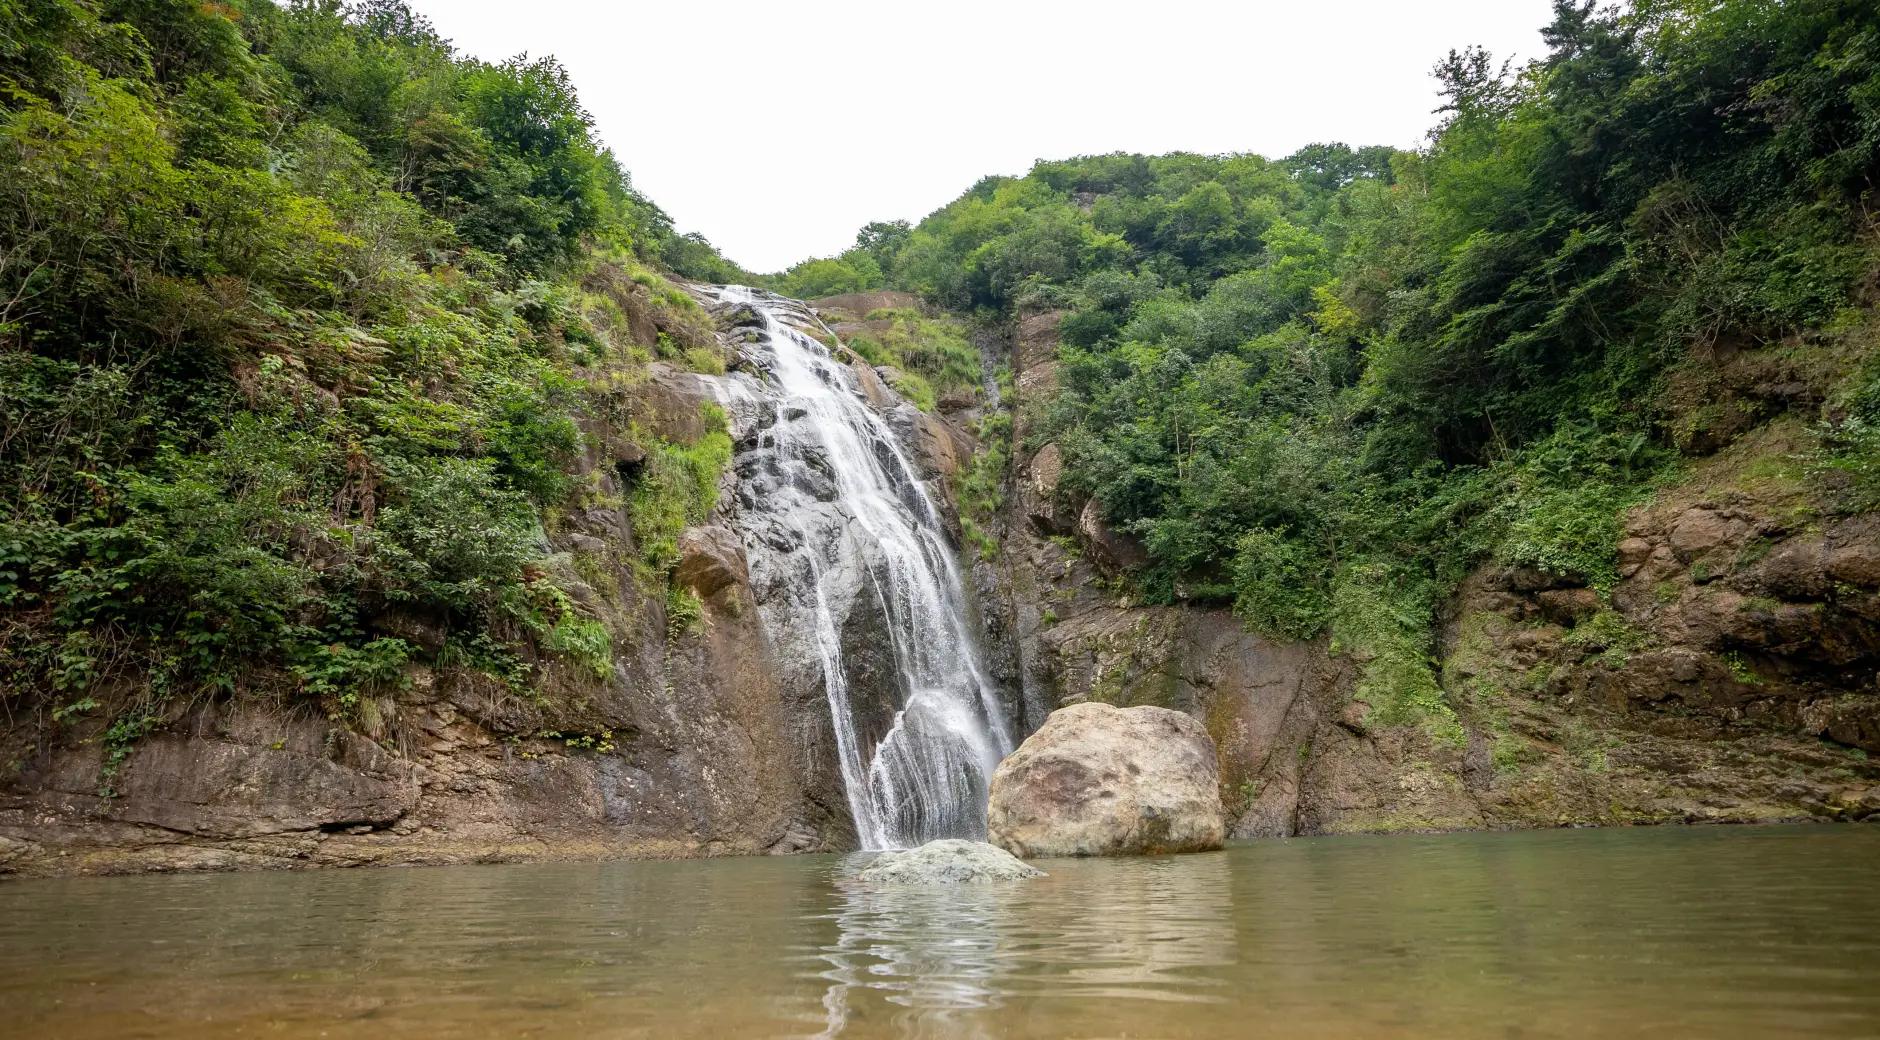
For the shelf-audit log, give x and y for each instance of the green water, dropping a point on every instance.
(1740, 932)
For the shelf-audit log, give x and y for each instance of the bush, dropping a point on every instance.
(585, 641)
(933, 355)
(982, 487)
(677, 487)
(340, 675)
(684, 611)
(212, 553)
(1280, 585)
(1570, 532)
(453, 536)
(1848, 445)
(1382, 616)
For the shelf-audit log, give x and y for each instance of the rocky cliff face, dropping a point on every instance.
(1730, 676)
(686, 745)
(706, 736)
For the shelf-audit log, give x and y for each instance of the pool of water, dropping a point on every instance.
(1738, 932)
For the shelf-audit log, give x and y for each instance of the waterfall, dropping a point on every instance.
(840, 528)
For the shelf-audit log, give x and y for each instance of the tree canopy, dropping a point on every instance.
(295, 307)
(1322, 387)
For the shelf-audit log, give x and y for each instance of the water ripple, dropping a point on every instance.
(1714, 933)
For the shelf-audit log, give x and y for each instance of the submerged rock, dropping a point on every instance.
(948, 861)
(1096, 780)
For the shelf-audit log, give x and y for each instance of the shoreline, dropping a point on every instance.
(25, 857)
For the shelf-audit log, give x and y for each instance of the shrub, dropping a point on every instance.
(982, 487)
(453, 535)
(933, 356)
(1381, 616)
(1280, 585)
(584, 640)
(341, 674)
(684, 611)
(677, 487)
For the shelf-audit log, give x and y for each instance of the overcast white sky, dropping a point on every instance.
(777, 129)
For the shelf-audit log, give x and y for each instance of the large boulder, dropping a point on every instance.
(670, 403)
(711, 560)
(948, 861)
(1096, 780)
(1038, 491)
(1112, 550)
(939, 449)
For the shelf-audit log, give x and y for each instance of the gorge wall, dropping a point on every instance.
(709, 734)
(386, 481)
(1728, 677)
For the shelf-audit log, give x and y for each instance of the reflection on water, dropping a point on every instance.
(1683, 932)
(1096, 930)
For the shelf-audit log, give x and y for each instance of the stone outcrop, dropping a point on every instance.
(1114, 551)
(948, 861)
(461, 770)
(1096, 780)
(711, 560)
(671, 402)
(940, 449)
(1038, 491)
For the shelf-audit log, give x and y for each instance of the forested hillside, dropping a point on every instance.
(298, 311)
(1325, 387)
(378, 482)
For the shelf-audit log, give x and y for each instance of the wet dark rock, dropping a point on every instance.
(1528, 579)
(425, 631)
(738, 316)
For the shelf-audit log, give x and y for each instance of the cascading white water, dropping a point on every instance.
(841, 494)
